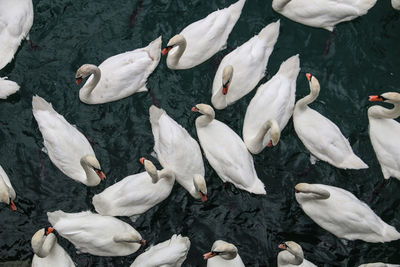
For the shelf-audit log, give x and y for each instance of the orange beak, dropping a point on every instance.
(79, 80)
(49, 230)
(166, 50)
(203, 197)
(225, 89)
(142, 160)
(375, 98)
(269, 144)
(282, 246)
(209, 255)
(194, 109)
(12, 205)
(143, 242)
(101, 174)
(308, 75)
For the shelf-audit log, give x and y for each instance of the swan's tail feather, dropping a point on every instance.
(270, 33)
(100, 205)
(236, 9)
(257, 188)
(290, 67)
(390, 233)
(155, 114)
(354, 162)
(39, 103)
(154, 50)
(7, 88)
(55, 216)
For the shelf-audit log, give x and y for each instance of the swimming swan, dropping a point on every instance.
(223, 254)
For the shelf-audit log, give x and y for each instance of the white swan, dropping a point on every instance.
(119, 76)
(7, 192)
(135, 194)
(241, 70)
(7, 87)
(96, 234)
(67, 148)
(292, 255)
(16, 18)
(178, 151)
(384, 133)
(48, 253)
(320, 136)
(379, 264)
(341, 213)
(322, 13)
(202, 39)
(170, 253)
(271, 107)
(396, 4)
(226, 152)
(223, 254)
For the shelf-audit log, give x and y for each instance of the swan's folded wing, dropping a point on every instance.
(7, 87)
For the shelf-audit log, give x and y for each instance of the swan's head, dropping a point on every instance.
(227, 74)
(293, 248)
(84, 71)
(390, 97)
(150, 169)
(305, 190)
(38, 242)
(174, 41)
(274, 133)
(6, 196)
(94, 165)
(200, 186)
(129, 237)
(225, 250)
(204, 109)
(313, 83)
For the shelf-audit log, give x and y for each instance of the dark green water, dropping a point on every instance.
(364, 59)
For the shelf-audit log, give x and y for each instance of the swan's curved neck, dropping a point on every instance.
(386, 113)
(279, 4)
(176, 55)
(125, 237)
(205, 119)
(219, 100)
(47, 246)
(308, 99)
(88, 88)
(167, 174)
(254, 145)
(91, 176)
(286, 258)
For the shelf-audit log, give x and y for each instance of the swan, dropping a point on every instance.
(226, 152)
(379, 264)
(341, 213)
(96, 234)
(16, 19)
(178, 151)
(241, 70)
(271, 107)
(384, 133)
(7, 87)
(67, 147)
(292, 255)
(202, 39)
(48, 253)
(118, 76)
(135, 194)
(322, 13)
(170, 253)
(396, 4)
(320, 136)
(7, 192)
(223, 254)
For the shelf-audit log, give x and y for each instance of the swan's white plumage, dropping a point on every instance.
(249, 62)
(93, 233)
(396, 4)
(133, 195)
(322, 13)
(346, 216)
(273, 100)
(220, 262)
(170, 253)
(7, 87)
(123, 75)
(7, 192)
(16, 18)
(206, 37)
(379, 264)
(65, 145)
(176, 149)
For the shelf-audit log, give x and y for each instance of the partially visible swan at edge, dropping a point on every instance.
(379, 264)
(96, 234)
(271, 107)
(292, 255)
(226, 152)
(384, 133)
(170, 253)
(7, 192)
(200, 40)
(135, 194)
(16, 19)
(322, 13)
(67, 147)
(48, 253)
(321, 136)
(119, 76)
(179, 152)
(338, 211)
(241, 70)
(223, 254)
(396, 4)
(7, 87)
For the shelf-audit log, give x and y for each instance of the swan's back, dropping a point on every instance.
(170, 253)
(220, 262)
(16, 18)
(7, 88)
